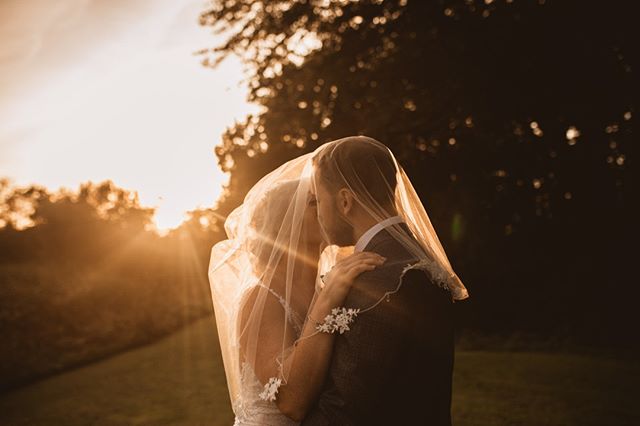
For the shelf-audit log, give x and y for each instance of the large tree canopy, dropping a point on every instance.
(513, 119)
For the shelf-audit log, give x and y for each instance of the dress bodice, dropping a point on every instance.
(250, 409)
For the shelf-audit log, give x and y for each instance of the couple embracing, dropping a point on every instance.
(333, 296)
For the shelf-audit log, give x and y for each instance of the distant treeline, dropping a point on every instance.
(88, 277)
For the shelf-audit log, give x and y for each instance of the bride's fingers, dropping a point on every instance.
(359, 269)
(362, 266)
(359, 257)
(369, 261)
(365, 258)
(348, 269)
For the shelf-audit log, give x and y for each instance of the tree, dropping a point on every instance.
(512, 118)
(83, 275)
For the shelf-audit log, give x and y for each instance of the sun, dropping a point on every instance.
(166, 218)
(173, 198)
(139, 110)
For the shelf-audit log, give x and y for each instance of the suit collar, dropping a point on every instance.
(366, 238)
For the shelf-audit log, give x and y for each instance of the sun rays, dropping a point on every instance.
(136, 106)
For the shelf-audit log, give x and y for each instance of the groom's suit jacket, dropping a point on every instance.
(394, 366)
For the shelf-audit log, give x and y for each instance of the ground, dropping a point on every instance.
(179, 380)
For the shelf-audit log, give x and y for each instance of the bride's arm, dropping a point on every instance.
(308, 364)
(309, 361)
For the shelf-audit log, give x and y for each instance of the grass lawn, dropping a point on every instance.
(179, 380)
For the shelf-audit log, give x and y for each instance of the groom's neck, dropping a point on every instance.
(363, 222)
(361, 226)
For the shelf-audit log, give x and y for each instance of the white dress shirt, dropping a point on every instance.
(371, 232)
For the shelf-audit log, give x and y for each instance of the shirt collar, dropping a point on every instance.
(371, 232)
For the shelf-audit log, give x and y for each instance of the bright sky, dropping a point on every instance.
(95, 90)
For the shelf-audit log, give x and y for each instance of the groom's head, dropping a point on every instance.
(355, 182)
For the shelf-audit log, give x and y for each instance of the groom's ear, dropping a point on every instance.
(344, 201)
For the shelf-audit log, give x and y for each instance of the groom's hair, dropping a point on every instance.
(362, 164)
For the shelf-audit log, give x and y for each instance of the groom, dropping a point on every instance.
(394, 366)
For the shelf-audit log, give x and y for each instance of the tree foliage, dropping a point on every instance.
(83, 275)
(513, 119)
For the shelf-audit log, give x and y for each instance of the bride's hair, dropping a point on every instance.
(266, 222)
(359, 163)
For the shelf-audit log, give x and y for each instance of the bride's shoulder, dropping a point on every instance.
(263, 294)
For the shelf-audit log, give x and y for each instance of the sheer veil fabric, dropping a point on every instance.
(278, 248)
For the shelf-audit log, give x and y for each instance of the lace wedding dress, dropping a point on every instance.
(251, 409)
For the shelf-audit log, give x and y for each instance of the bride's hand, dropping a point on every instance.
(339, 280)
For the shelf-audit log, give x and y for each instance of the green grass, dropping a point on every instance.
(521, 388)
(179, 380)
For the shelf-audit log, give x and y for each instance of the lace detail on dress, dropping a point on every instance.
(251, 410)
(292, 316)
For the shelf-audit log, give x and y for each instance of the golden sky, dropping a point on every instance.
(109, 89)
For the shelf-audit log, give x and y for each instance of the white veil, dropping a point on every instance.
(370, 171)
(277, 251)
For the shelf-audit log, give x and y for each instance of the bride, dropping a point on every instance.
(265, 289)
